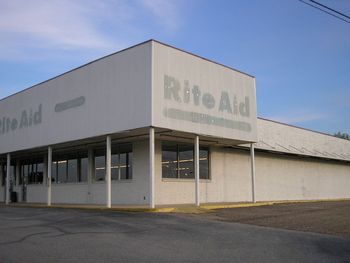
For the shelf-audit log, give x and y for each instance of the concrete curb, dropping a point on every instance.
(94, 208)
(190, 209)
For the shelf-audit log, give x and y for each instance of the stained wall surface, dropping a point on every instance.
(110, 95)
(192, 94)
(278, 177)
(281, 137)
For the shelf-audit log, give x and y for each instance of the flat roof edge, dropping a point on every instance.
(71, 70)
(122, 50)
(302, 128)
(203, 58)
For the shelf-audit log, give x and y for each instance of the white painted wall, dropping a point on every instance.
(277, 178)
(117, 92)
(292, 178)
(36, 193)
(210, 78)
(284, 138)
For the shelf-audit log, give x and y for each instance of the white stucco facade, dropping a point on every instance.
(153, 87)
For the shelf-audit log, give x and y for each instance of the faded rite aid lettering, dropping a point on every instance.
(227, 103)
(27, 119)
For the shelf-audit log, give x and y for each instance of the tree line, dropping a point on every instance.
(342, 135)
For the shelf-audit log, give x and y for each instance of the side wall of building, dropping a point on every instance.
(278, 177)
(294, 178)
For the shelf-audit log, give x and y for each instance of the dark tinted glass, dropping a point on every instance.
(204, 163)
(169, 160)
(100, 168)
(72, 171)
(186, 167)
(115, 167)
(61, 171)
(83, 169)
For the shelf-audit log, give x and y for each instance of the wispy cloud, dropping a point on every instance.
(78, 25)
(165, 11)
(64, 24)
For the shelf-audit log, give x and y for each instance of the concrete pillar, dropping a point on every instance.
(18, 172)
(196, 169)
(49, 169)
(151, 168)
(252, 166)
(8, 172)
(91, 172)
(108, 172)
(45, 169)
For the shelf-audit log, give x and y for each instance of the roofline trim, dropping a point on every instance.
(301, 128)
(69, 71)
(114, 53)
(206, 59)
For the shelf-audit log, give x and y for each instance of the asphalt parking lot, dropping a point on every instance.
(331, 218)
(68, 235)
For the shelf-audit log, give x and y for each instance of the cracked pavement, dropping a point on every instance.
(70, 235)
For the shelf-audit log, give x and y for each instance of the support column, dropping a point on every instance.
(8, 172)
(252, 166)
(108, 172)
(45, 171)
(91, 171)
(49, 169)
(151, 168)
(196, 169)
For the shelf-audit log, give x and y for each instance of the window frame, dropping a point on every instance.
(178, 172)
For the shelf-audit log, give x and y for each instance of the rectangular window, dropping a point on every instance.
(61, 171)
(13, 174)
(69, 168)
(100, 165)
(3, 179)
(185, 165)
(125, 166)
(31, 173)
(20, 177)
(25, 173)
(169, 161)
(40, 173)
(204, 163)
(122, 162)
(72, 167)
(54, 172)
(83, 169)
(178, 161)
(115, 167)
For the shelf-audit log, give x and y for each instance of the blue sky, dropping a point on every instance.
(299, 55)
